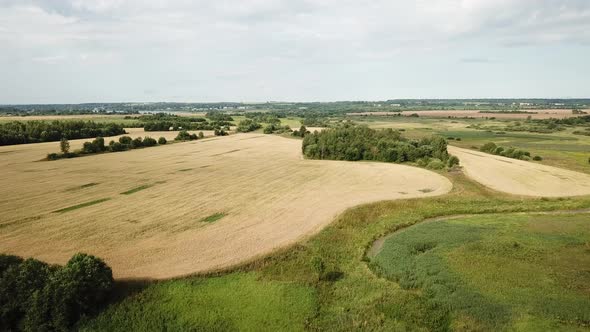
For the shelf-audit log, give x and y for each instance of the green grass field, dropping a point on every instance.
(236, 302)
(354, 297)
(523, 272)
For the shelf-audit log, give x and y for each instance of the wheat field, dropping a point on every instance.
(185, 208)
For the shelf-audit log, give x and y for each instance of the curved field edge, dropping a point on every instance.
(357, 299)
(521, 271)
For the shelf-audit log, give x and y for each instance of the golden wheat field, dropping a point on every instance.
(521, 177)
(188, 207)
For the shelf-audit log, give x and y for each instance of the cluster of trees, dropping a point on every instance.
(270, 118)
(350, 142)
(17, 132)
(301, 132)
(510, 152)
(218, 116)
(165, 122)
(98, 146)
(314, 121)
(277, 129)
(248, 125)
(184, 135)
(36, 296)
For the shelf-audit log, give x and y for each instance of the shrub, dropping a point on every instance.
(488, 147)
(136, 143)
(453, 161)
(53, 156)
(162, 140)
(126, 140)
(148, 141)
(537, 158)
(201, 135)
(220, 132)
(435, 164)
(183, 135)
(247, 125)
(117, 146)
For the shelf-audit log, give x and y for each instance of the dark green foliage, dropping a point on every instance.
(270, 118)
(453, 161)
(362, 143)
(37, 297)
(314, 121)
(96, 146)
(166, 122)
(125, 140)
(510, 152)
(148, 141)
(248, 125)
(301, 132)
(276, 128)
(537, 158)
(162, 140)
(117, 146)
(183, 135)
(201, 135)
(220, 132)
(17, 132)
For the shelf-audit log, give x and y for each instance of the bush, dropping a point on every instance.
(126, 140)
(220, 132)
(201, 135)
(453, 161)
(148, 141)
(435, 164)
(537, 158)
(162, 140)
(53, 156)
(183, 135)
(247, 125)
(488, 147)
(117, 146)
(136, 143)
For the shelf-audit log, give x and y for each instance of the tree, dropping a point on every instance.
(64, 145)
(162, 140)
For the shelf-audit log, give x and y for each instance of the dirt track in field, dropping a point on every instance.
(270, 195)
(521, 177)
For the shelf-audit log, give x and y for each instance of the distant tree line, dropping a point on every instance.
(166, 122)
(36, 296)
(98, 146)
(350, 142)
(510, 152)
(17, 132)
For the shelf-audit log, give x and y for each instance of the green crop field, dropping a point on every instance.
(496, 271)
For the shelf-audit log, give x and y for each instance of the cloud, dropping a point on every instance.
(157, 40)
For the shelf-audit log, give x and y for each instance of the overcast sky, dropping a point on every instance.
(71, 51)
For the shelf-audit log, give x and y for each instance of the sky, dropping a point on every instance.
(74, 51)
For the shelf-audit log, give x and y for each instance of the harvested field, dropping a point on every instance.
(540, 114)
(203, 205)
(521, 177)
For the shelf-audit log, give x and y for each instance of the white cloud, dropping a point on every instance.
(212, 39)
